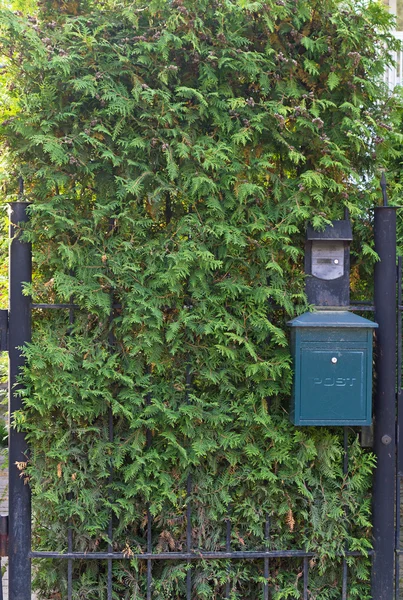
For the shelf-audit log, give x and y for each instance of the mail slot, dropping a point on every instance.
(332, 354)
(328, 260)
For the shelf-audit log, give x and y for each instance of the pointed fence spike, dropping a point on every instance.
(383, 187)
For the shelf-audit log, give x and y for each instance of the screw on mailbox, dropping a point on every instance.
(334, 360)
(386, 439)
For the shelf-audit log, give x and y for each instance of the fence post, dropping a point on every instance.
(385, 405)
(19, 334)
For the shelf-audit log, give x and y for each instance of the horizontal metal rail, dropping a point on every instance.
(238, 555)
(360, 306)
(54, 306)
(70, 306)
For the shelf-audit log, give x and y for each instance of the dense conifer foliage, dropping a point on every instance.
(173, 153)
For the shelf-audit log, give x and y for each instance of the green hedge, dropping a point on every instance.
(173, 152)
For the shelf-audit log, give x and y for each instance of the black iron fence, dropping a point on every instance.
(399, 441)
(386, 562)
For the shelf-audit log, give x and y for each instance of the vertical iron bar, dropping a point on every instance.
(3, 546)
(110, 524)
(228, 533)
(149, 439)
(345, 471)
(69, 527)
(345, 450)
(385, 405)
(111, 341)
(19, 334)
(399, 364)
(228, 549)
(188, 504)
(397, 540)
(344, 588)
(189, 537)
(399, 422)
(69, 563)
(400, 321)
(149, 550)
(306, 571)
(266, 571)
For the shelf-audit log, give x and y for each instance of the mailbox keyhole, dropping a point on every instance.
(334, 360)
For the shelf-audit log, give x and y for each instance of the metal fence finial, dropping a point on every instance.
(383, 187)
(20, 187)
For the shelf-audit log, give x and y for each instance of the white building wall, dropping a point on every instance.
(394, 76)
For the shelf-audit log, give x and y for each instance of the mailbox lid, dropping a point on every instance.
(332, 318)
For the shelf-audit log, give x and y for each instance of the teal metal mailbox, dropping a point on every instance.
(332, 352)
